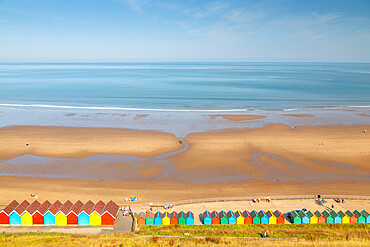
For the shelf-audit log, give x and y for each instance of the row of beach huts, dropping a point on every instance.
(58, 213)
(166, 218)
(329, 216)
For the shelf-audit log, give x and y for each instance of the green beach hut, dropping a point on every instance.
(255, 217)
(181, 217)
(329, 218)
(366, 215)
(360, 217)
(223, 218)
(295, 218)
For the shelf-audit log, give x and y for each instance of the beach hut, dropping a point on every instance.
(38, 216)
(189, 216)
(280, 219)
(329, 218)
(345, 218)
(49, 217)
(263, 217)
(255, 217)
(295, 217)
(61, 216)
(313, 218)
(4, 215)
(141, 218)
(158, 218)
(181, 217)
(174, 218)
(84, 215)
(95, 216)
(223, 218)
(239, 218)
(336, 217)
(366, 215)
(231, 217)
(166, 220)
(304, 217)
(72, 215)
(360, 218)
(109, 213)
(272, 218)
(15, 216)
(206, 218)
(215, 219)
(320, 218)
(149, 218)
(247, 218)
(352, 217)
(27, 216)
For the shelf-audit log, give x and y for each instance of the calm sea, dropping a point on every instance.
(186, 86)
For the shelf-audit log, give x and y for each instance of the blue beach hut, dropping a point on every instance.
(366, 215)
(158, 218)
(84, 215)
(206, 218)
(304, 217)
(231, 217)
(263, 217)
(49, 217)
(14, 219)
(336, 217)
(190, 218)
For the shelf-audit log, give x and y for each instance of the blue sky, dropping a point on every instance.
(202, 30)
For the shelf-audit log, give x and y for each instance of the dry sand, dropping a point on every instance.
(238, 117)
(71, 142)
(297, 115)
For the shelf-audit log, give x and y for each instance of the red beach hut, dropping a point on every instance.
(280, 219)
(38, 216)
(31, 209)
(215, 219)
(72, 215)
(174, 220)
(4, 214)
(141, 219)
(110, 213)
(352, 217)
(247, 217)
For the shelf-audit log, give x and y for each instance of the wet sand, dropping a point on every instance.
(365, 115)
(297, 115)
(238, 117)
(70, 142)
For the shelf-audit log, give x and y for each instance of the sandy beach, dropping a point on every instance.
(238, 117)
(298, 115)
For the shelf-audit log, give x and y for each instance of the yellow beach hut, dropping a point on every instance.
(95, 216)
(21, 211)
(345, 217)
(313, 218)
(166, 220)
(272, 217)
(27, 216)
(61, 216)
(239, 218)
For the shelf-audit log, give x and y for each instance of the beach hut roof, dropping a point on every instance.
(222, 214)
(318, 214)
(44, 207)
(294, 214)
(230, 214)
(206, 213)
(277, 214)
(13, 205)
(214, 214)
(326, 214)
(33, 207)
(66, 207)
(179, 214)
(365, 213)
(149, 214)
(310, 214)
(99, 207)
(261, 213)
(111, 208)
(333, 213)
(349, 213)
(141, 215)
(253, 214)
(88, 207)
(76, 208)
(269, 214)
(357, 213)
(245, 214)
(302, 214)
(22, 207)
(341, 214)
(171, 215)
(55, 207)
(189, 214)
(237, 214)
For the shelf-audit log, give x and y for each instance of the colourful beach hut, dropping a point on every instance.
(38, 216)
(295, 217)
(280, 219)
(320, 218)
(72, 215)
(360, 217)
(329, 218)
(223, 218)
(366, 215)
(239, 218)
(84, 215)
(263, 217)
(272, 218)
(345, 218)
(189, 216)
(231, 217)
(181, 217)
(149, 218)
(304, 217)
(255, 217)
(174, 218)
(95, 216)
(166, 220)
(15, 216)
(313, 217)
(158, 218)
(247, 218)
(206, 218)
(61, 216)
(141, 219)
(4, 215)
(49, 217)
(215, 219)
(352, 217)
(336, 217)
(109, 213)
(27, 216)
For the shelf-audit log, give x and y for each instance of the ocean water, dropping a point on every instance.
(185, 86)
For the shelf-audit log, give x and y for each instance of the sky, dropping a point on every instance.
(184, 30)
